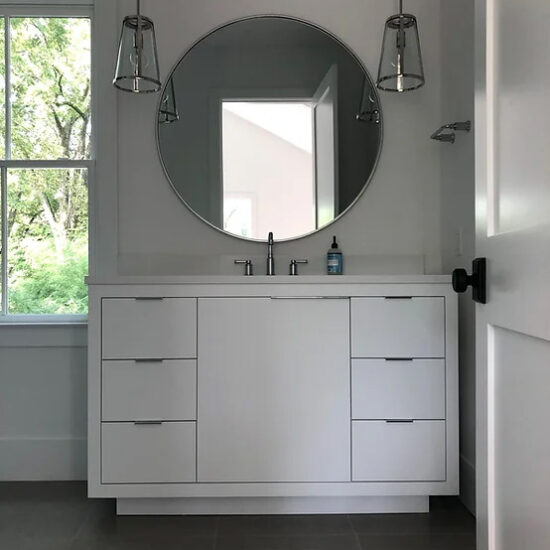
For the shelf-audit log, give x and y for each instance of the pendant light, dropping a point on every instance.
(401, 68)
(368, 111)
(137, 68)
(168, 111)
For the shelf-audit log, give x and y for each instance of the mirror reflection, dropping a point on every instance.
(269, 124)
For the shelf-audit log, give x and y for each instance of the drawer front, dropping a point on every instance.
(163, 453)
(148, 390)
(383, 390)
(385, 451)
(382, 327)
(149, 329)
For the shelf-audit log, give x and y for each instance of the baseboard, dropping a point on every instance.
(468, 484)
(272, 505)
(43, 459)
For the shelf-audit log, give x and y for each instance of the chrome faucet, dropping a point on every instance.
(270, 260)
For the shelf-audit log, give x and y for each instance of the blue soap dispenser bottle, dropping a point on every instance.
(335, 259)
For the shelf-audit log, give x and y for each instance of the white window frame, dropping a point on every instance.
(42, 8)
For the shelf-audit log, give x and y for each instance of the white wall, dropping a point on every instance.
(281, 193)
(457, 207)
(394, 227)
(42, 403)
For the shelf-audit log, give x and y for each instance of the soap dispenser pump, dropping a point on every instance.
(335, 259)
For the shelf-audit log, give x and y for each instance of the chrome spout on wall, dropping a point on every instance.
(450, 137)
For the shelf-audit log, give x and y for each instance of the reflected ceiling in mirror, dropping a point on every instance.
(273, 125)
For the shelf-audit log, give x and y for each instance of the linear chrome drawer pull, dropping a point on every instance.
(151, 360)
(147, 422)
(148, 299)
(398, 297)
(400, 421)
(399, 359)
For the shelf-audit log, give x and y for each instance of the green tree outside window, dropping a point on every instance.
(47, 208)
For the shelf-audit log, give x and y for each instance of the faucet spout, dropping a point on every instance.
(270, 260)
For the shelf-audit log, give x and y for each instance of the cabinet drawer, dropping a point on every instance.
(398, 389)
(163, 453)
(149, 329)
(387, 451)
(382, 327)
(148, 390)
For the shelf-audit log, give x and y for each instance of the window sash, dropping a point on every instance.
(38, 8)
(58, 8)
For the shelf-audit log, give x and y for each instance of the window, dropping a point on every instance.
(45, 162)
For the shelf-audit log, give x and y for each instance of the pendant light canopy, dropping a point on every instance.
(168, 110)
(401, 68)
(137, 68)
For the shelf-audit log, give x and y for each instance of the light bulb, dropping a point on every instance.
(134, 59)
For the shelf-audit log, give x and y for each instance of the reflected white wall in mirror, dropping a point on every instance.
(268, 168)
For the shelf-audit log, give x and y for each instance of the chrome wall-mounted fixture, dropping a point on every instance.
(368, 110)
(270, 260)
(137, 68)
(401, 68)
(450, 137)
(168, 110)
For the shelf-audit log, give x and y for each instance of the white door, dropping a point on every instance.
(513, 232)
(325, 121)
(274, 390)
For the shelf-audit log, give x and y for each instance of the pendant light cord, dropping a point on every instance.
(139, 39)
(400, 7)
(139, 28)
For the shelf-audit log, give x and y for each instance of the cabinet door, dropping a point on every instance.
(274, 390)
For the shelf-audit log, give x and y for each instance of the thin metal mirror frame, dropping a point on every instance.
(338, 41)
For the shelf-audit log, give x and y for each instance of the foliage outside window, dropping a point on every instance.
(45, 124)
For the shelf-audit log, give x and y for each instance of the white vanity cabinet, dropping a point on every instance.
(276, 395)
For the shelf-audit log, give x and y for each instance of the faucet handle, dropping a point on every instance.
(294, 266)
(248, 266)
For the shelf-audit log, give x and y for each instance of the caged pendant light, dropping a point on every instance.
(401, 68)
(137, 68)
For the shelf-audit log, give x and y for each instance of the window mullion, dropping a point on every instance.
(4, 210)
(7, 91)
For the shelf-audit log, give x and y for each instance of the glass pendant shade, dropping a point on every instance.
(168, 111)
(401, 68)
(137, 68)
(368, 111)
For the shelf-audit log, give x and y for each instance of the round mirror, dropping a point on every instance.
(269, 124)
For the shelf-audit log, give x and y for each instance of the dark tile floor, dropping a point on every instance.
(58, 516)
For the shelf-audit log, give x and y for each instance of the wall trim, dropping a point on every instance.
(468, 484)
(44, 336)
(43, 459)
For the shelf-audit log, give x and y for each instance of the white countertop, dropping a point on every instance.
(262, 279)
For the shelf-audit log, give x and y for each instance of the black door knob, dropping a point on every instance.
(477, 280)
(461, 280)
